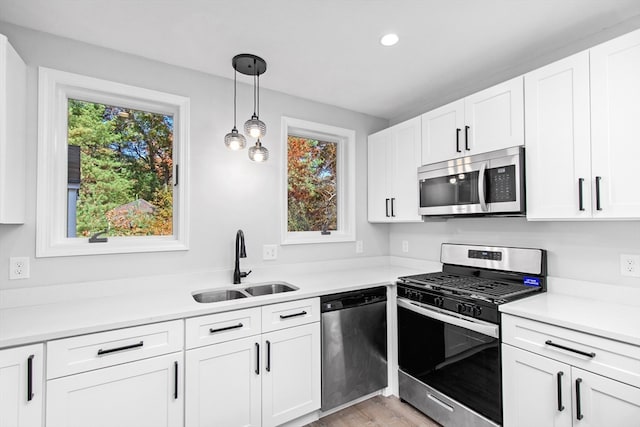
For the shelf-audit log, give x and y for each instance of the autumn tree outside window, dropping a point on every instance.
(319, 179)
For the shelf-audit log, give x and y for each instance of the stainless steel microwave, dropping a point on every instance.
(484, 184)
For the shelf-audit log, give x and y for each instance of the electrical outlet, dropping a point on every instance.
(18, 267)
(359, 247)
(630, 265)
(269, 252)
(405, 246)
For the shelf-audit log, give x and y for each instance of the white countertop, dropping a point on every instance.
(52, 312)
(608, 311)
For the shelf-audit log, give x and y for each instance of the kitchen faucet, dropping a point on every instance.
(241, 252)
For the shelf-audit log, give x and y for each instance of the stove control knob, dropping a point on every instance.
(460, 308)
(477, 310)
(438, 301)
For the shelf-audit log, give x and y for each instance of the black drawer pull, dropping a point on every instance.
(288, 316)
(466, 138)
(583, 353)
(226, 328)
(386, 207)
(559, 378)
(30, 378)
(126, 347)
(579, 414)
(458, 140)
(392, 200)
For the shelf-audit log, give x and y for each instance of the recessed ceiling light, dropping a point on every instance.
(389, 39)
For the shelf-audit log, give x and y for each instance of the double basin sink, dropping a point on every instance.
(218, 295)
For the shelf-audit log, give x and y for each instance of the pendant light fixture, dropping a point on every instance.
(234, 140)
(251, 65)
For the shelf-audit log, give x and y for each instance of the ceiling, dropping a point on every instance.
(328, 50)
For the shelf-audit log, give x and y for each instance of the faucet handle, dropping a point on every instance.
(245, 273)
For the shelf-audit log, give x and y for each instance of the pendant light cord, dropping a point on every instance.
(258, 78)
(235, 85)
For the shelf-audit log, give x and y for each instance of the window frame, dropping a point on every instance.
(346, 181)
(55, 87)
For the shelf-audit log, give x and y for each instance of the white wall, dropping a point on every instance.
(576, 250)
(228, 191)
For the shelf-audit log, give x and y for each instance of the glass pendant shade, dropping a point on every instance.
(258, 153)
(255, 127)
(235, 140)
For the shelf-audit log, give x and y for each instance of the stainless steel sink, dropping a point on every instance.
(270, 288)
(219, 295)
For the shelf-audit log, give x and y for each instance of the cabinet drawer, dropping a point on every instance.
(222, 327)
(612, 359)
(83, 353)
(292, 313)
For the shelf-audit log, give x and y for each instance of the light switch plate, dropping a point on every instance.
(359, 246)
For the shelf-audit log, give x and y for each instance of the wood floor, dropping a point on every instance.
(378, 411)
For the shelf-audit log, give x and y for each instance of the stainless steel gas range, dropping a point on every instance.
(449, 330)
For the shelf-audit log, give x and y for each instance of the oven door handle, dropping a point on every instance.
(483, 328)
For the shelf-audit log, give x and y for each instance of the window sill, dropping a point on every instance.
(115, 245)
(305, 238)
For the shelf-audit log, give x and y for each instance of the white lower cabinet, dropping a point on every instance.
(21, 386)
(248, 378)
(223, 384)
(545, 388)
(145, 393)
(291, 381)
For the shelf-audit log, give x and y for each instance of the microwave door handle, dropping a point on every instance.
(482, 185)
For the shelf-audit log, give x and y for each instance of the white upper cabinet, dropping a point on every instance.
(13, 88)
(615, 112)
(393, 161)
(485, 121)
(558, 157)
(581, 116)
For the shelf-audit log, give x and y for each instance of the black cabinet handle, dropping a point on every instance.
(30, 378)
(393, 199)
(268, 367)
(289, 316)
(126, 347)
(177, 175)
(175, 380)
(598, 207)
(226, 328)
(580, 195)
(458, 140)
(466, 138)
(583, 353)
(257, 371)
(386, 207)
(559, 379)
(579, 414)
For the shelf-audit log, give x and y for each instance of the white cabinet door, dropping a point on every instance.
(405, 158)
(615, 109)
(21, 386)
(603, 401)
(558, 141)
(223, 385)
(442, 133)
(13, 116)
(146, 393)
(495, 118)
(291, 375)
(531, 396)
(378, 198)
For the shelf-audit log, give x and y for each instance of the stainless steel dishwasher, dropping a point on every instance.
(354, 345)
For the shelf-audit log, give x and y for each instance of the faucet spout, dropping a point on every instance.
(241, 252)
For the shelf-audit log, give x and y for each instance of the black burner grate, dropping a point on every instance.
(471, 285)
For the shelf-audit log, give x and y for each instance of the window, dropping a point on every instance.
(319, 183)
(108, 167)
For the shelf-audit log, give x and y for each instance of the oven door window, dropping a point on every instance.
(457, 189)
(462, 364)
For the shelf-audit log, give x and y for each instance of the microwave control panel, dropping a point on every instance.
(501, 184)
